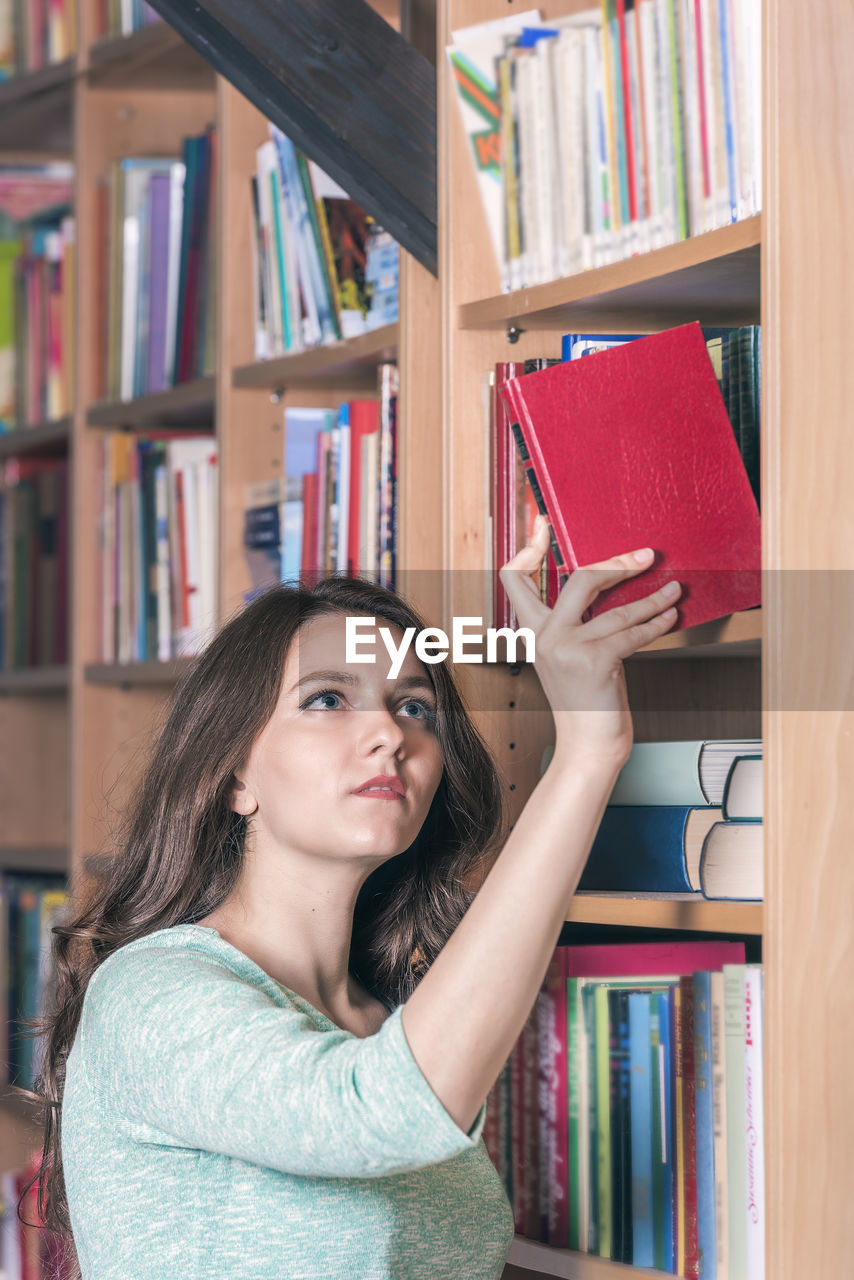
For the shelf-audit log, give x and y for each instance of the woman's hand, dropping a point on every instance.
(580, 664)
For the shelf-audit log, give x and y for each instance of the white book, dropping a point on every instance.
(369, 515)
(733, 975)
(754, 1123)
(719, 1115)
(177, 175)
(649, 61)
(266, 167)
(184, 542)
(132, 180)
(207, 471)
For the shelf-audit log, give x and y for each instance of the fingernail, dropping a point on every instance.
(642, 555)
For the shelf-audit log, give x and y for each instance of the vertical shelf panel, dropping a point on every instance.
(807, 464)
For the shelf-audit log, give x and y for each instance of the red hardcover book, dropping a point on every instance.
(364, 421)
(517, 1132)
(504, 455)
(309, 523)
(554, 1102)
(633, 447)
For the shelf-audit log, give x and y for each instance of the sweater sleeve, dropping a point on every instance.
(183, 1052)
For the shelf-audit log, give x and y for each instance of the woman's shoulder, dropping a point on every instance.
(181, 955)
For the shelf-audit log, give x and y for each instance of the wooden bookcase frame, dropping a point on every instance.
(70, 738)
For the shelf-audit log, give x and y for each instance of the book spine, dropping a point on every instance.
(716, 993)
(753, 1123)
(642, 1115)
(704, 1110)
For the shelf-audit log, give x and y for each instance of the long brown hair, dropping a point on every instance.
(180, 847)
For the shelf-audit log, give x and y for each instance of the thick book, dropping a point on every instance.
(648, 849)
(632, 447)
(731, 861)
(742, 798)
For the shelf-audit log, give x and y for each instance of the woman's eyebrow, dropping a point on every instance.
(334, 676)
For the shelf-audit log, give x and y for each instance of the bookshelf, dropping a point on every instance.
(70, 738)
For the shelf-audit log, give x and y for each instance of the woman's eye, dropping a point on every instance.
(417, 710)
(328, 701)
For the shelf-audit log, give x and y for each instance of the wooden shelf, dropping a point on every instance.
(35, 110)
(154, 57)
(37, 858)
(44, 437)
(190, 404)
(739, 635)
(545, 1260)
(346, 364)
(132, 674)
(679, 911)
(713, 278)
(34, 680)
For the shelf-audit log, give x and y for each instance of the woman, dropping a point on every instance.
(278, 1021)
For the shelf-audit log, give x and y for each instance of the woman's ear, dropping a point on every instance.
(242, 799)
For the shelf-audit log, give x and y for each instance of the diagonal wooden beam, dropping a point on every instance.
(344, 85)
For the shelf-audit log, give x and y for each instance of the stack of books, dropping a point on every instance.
(33, 562)
(628, 1121)
(30, 905)
(35, 33)
(324, 270)
(159, 290)
(611, 132)
(157, 545)
(336, 509)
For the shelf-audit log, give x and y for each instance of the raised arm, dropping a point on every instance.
(466, 1014)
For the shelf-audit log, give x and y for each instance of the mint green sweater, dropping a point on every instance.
(217, 1126)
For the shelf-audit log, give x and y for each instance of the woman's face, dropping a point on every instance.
(336, 728)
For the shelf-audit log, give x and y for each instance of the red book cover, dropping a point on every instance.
(649, 959)
(633, 447)
(503, 486)
(531, 1127)
(517, 1131)
(554, 1102)
(364, 421)
(688, 1248)
(309, 523)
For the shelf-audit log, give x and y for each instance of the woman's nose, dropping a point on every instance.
(379, 729)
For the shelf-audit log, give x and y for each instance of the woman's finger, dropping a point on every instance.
(624, 616)
(588, 581)
(517, 581)
(626, 642)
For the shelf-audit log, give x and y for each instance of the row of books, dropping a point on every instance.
(683, 818)
(613, 131)
(323, 269)
(34, 527)
(30, 905)
(157, 545)
(123, 17)
(336, 509)
(628, 1120)
(735, 356)
(35, 33)
(37, 325)
(155, 219)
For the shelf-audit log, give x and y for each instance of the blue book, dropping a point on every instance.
(664, 1238)
(640, 1110)
(704, 1113)
(575, 345)
(642, 848)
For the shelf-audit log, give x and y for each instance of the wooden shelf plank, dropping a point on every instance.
(545, 1260)
(348, 364)
(155, 57)
(739, 635)
(131, 674)
(713, 278)
(44, 437)
(35, 110)
(679, 911)
(35, 858)
(34, 680)
(188, 404)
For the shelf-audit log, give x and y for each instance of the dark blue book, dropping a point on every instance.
(643, 848)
